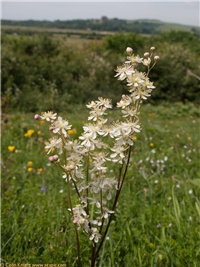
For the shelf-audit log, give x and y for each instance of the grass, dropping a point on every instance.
(50, 30)
(158, 214)
(71, 35)
(166, 26)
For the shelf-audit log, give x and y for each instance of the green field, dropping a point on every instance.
(85, 35)
(157, 219)
(156, 222)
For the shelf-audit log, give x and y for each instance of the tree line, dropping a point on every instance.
(102, 24)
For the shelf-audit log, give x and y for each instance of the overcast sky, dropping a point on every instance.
(183, 12)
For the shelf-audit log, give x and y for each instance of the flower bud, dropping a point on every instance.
(37, 117)
(51, 128)
(66, 136)
(156, 58)
(129, 50)
(53, 158)
(71, 167)
(146, 54)
(152, 48)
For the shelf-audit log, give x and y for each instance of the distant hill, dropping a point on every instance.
(105, 24)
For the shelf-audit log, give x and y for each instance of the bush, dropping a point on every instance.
(33, 65)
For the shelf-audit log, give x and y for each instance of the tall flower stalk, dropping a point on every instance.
(86, 162)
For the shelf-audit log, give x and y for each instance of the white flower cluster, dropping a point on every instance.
(86, 162)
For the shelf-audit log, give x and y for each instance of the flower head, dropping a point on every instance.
(134, 60)
(29, 133)
(11, 148)
(54, 143)
(39, 170)
(124, 102)
(72, 131)
(95, 235)
(105, 102)
(61, 126)
(147, 61)
(48, 116)
(44, 188)
(124, 71)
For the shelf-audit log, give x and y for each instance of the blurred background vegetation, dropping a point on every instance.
(46, 69)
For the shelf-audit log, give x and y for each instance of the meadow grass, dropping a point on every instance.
(157, 219)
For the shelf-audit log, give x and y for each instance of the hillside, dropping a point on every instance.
(105, 24)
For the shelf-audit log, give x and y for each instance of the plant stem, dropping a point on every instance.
(114, 205)
(75, 227)
(70, 204)
(102, 221)
(87, 180)
(76, 188)
(93, 258)
(78, 246)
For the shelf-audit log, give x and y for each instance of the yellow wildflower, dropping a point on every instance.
(11, 148)
(71, 131)
(151, 144)
(38, 132)
(134, 138)
(29, 169)
(90, 160)
(47, 150)
(29, 133)
(151, 114)
(39, 170)
(29, 163)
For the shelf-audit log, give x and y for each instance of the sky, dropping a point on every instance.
(183, 12)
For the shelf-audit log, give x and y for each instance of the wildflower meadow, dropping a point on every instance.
(104, 187)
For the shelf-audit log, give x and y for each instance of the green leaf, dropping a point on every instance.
(196, 182)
